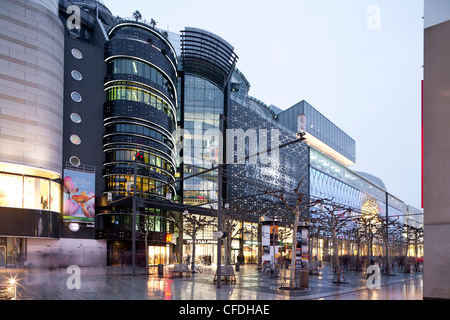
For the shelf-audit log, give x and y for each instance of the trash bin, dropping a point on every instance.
(160, 269)
(303, 278)
(237, 266)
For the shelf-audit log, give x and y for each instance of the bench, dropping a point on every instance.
(180, 269)
(227, 272)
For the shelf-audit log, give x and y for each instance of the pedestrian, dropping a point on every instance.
(188, 259)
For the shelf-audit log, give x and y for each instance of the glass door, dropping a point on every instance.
(2, 257)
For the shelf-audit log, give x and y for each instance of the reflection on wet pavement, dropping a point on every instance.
(117, 283)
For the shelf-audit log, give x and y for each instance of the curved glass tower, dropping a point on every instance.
(140, 110)
(139, 115)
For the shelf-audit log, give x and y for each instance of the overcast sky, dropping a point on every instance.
(359, 62)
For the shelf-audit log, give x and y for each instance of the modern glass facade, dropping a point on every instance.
(332, 180)
(128, 90)
(139, 93)
(320, 127)
(283, 168)
(207, 64)
(140, 116)
(203, 106)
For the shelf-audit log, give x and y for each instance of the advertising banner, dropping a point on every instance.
(266, 243)
(302, 246)
(79, 196)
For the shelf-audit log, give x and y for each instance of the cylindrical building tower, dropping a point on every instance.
(31, 124)
(139, 115)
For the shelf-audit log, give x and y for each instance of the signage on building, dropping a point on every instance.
(79, 196)
(200, 241)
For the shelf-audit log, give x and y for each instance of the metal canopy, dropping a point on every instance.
(161, 204)
(207, 55)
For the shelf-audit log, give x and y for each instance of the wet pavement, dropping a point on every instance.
(118, 283)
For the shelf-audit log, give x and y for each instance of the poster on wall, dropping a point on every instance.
(79, 195)
(265, 242)
(305, 233)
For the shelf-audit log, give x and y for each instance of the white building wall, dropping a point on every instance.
(31, 84)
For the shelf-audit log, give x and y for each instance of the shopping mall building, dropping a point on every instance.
(84, 91)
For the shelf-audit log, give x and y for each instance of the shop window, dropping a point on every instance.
(55, 199)
(31, 197)
(11, 190)
(44, 194)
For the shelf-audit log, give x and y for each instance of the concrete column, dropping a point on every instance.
(436, 153)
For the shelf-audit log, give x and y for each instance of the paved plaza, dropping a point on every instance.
(118, 283)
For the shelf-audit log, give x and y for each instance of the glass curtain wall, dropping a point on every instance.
(203, 105)
(329, 180)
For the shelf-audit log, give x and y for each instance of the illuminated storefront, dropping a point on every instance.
(159, 255)
(250, 243)
(26, 192)
(30, 207)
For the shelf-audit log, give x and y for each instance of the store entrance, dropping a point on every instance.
(2, 256)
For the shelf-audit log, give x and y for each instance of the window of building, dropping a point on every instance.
(138, 95)
(75, 139)
(11, 189)
(19, 191)
(75, 161)
(76, 96)
(76, 53)
(76, 75)
(75, 117)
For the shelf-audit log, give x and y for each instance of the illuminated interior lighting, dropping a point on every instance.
(27, 170)
(326, 149)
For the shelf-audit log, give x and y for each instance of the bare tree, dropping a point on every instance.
(356, 235)
(293, 208)
(369, 222)
(415, 234)
(179, 227)
(384, 229)
(231, 226)
(332, 219)
(192, 225)
(145, 227)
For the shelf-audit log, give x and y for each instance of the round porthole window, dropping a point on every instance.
(75, 139)
(74, 227)
(76, 96)
(76, 75)
(75, 117)
(75, 161)
(76, 53)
